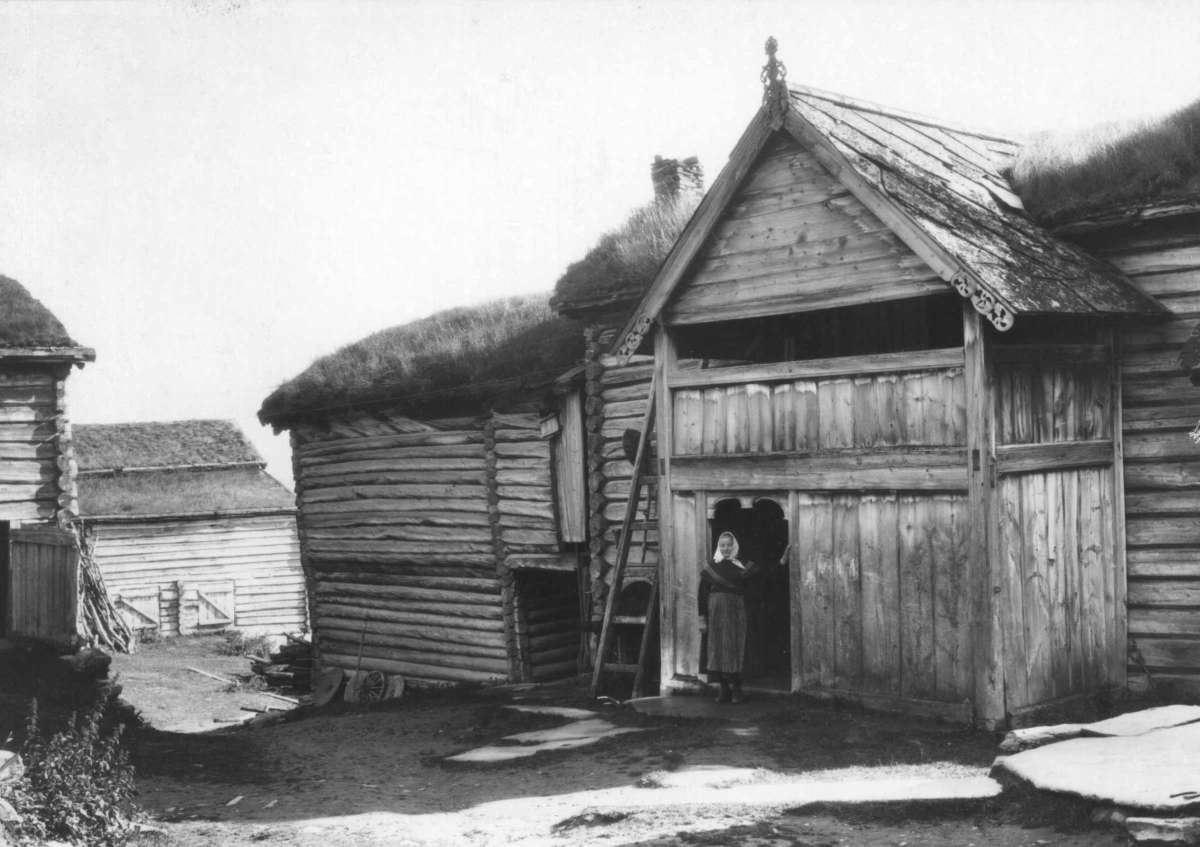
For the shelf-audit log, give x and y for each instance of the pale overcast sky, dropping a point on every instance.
(214, 193)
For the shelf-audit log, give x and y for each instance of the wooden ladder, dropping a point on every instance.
(629, 524)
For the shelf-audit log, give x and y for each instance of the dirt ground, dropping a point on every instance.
(377, 775)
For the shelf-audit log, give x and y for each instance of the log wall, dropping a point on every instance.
(409, 530)
(1162, 464)
(32, 429)
(164, 561)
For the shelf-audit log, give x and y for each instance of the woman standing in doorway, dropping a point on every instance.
(723, 616)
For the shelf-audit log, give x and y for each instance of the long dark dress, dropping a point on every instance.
(723, 600)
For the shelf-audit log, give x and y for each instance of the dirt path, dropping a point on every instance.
(379, 776)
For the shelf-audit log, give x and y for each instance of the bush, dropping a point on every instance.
(78, 783)
(237, 643)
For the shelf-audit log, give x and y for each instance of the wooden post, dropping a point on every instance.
(507, 589)
(67, 501)
(665, 361)
(1118, 674)
(306, 568)
(596, 501)
(983, 557)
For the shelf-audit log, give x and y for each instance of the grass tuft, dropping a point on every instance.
(1065, 177)
(625, 261)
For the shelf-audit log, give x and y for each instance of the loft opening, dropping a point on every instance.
(895, 326)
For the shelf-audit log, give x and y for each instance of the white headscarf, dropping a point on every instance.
(717, 557)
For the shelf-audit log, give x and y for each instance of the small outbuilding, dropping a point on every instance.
(188, 529)
(438, 470)
(38, 576)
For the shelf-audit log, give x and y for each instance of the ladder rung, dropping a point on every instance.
(615, 668)
(630, 620)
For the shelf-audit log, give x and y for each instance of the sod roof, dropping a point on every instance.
(25, 322)
(161, 444)
(623, 263)
(182, 492)
(459, 361)
(1068, 176)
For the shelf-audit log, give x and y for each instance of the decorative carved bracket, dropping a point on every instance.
(633, 339)
(987, 304)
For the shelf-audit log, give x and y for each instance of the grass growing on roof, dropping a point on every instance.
(625, 261)
(146, 444)
(1064, 177)
(181, 493)
(25, 322)
(459, 360)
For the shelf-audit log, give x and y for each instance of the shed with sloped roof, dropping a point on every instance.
(189, 530)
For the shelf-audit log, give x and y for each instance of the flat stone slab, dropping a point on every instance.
(1133, 723)
(558, 711)
(1156, 770)
(525, 744)
(1164, 830)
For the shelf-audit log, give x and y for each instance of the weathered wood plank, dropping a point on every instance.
(841, 366)
(1009, 576)
(934, 469)
(1037, 587)
(846, 594)
(1040, 458)
(815, 599)
(880, 568)
(917, 646)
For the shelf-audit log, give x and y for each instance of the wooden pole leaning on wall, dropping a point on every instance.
(623, 542)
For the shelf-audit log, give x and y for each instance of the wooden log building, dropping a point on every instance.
(958, 436)
(441, 503)
(190, 532)
(37, 469)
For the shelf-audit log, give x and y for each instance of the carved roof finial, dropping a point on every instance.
(774, 80)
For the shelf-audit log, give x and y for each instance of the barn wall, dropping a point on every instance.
(1162, 465)
(31, 423)
(164, 563)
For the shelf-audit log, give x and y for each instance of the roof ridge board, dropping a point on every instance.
(870, 106)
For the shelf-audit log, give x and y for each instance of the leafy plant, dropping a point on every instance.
(78, 783)
(238, 643)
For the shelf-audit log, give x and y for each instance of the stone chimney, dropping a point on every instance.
(675, 179)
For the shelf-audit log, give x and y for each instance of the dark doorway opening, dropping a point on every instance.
(762, 533)
(547, 607)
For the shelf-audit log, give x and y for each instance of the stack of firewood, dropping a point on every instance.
(98, 621)
(288, 667)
